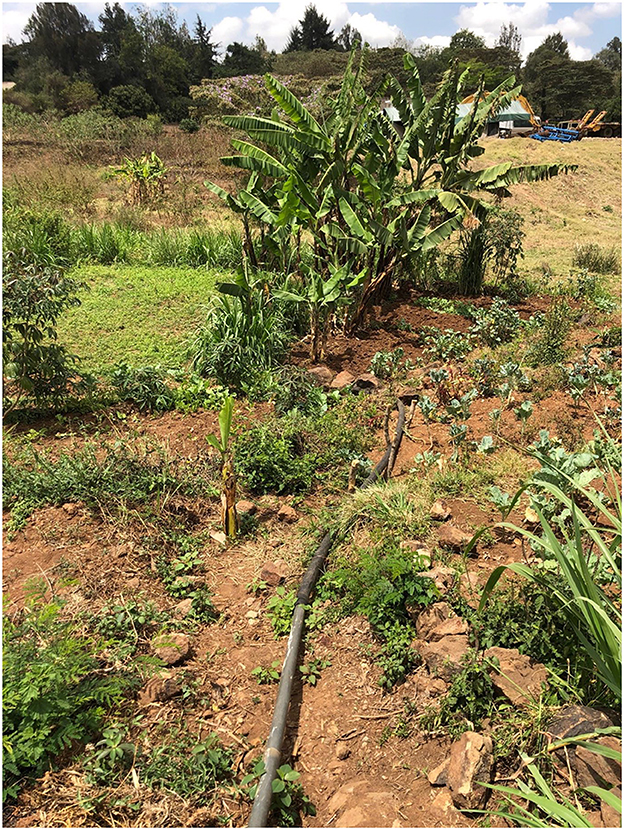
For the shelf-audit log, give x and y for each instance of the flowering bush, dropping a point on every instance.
(247, 95)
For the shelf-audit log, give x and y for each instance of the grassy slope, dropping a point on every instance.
(134, 313)
(567, 210)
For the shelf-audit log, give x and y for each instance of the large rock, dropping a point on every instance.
(171, 648)
(453, 538)
(574, 720)
(273, 573)
(609, 816)
(519, 678)
(438, 776)
(438, 621)
(366, 382)
(593, 770)
(471, 761)
(321, 375)
(245, 506)
(443, 578)
(444, 658)
(342, 380)
(589, 769)
(287, 514)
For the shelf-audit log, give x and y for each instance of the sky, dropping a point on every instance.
(586, 26)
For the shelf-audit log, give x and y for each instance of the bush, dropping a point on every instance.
(496, 325)
(242, 338)
(53, 691)
(33, 300)
(39, 238)
(127, 100)
(144, 386)
(474, 252)
(596, 259)
(548, 347)
(189, 125)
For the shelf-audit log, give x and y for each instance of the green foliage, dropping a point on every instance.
(596, 259)
(35, 238)
(145, 176)
(34, 298)
(295, 389)
(280, 608)
(105, 244)
(311, 671)
(123, 622)
(496, 325)
(500, 500)
(474, 252)
(448, 344)
(549, 345)
(289, 802)
(112, 756)
(195, 392)
(469, 699)
(53, 691)
(145, 386)
(387, 365)
(265, 675)
(244, 336)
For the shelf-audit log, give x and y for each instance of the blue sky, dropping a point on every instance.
(586, 26)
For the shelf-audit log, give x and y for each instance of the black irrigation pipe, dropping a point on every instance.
(273, 753)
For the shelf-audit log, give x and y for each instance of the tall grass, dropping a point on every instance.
(596, 259)
(103, 244)
(196, 248)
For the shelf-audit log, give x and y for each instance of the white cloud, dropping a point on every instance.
(374, 31)
(437, 41)
(531, 18)
(226, 31)
(14, 20)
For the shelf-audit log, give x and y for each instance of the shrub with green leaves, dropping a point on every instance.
(596, 259)
(53, 691)
(497, 324)
(145, 386)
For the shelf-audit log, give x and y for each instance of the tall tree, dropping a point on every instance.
(510, 37)
(117, 28)
(464, 39)
(611, 55)
(205, 58)
(313, 32)
(65, 37)
(242, 60)
(349, 37)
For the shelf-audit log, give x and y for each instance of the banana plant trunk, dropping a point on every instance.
(229, 517)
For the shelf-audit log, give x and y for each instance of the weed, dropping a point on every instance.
(448, 344)
(280, 608)
(112, 756)
(54, 692)
(196, 393)
(596, 259)
(496, 325)
(387, 365)
(145, 386)
(289, 801)
(469, 699)
(311, 671)
(548, 347)
(265, 675)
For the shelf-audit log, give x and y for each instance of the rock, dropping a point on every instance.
(468, 589)
(577, 720)
(342, 380)
(452, 537)
(184, 608)
(609, 816)
(437, 776)
(432, 617)
(375, 808)
(246, 507)
(450, 627)
(287, 514)
(171, 648)
(439, 513)
(530, 516)
(321, 375)
(365, 383)
(444, 658)
(252, 615)
(342, 750)
(444, 803)
(594, 770)
(420, 551)
(70, 508)
(219, 537)
(158, 690)
(471, 760)
(519, 678)
(443, 578)
(273, 573)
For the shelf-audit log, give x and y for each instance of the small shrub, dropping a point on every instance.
(596, 259)
(53, 691)
(387, 365)
(548, 346)
(496, 325)
(188, 125)
(448, 344)
(288, 802)
(144, 386)
(271, 458)
(196, 393)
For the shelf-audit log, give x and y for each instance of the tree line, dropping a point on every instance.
(146, 62)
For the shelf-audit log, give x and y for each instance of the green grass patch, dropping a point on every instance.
(136, 313)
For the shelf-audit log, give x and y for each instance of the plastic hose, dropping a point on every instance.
(273, 753)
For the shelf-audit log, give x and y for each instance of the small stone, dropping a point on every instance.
(437, 776)
(274, 573)
(287, 514)
(342, 380)
(443, 578)
(530, 516)
(246, 507)
(452, 537)
(252, 615)
(471, 760)
(184, 608)
(444, 658)
(342, 750)
(519, 678)
(171, 648)
(321, 375)
(439, 513)
(219, 537)
(366, 382)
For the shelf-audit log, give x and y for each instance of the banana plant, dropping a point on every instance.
(372, 200)
(229, 517)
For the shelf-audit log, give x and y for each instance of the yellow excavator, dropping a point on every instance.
(596, 126)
